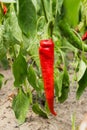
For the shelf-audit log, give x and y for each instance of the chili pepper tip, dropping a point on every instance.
(51, 108)
(54, 113)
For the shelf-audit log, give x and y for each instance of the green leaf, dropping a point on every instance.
(58, 83)
(4, 62)
(38, 6)
(9, 39)
(21, 105)
(3, 48)
(35, 2)
(8, 1)
(48, 3)
(54, 6)
(85, 11)
(32, 78)
(1, 80)
(65, 87)
(14, 27)
(82, 85)
(33, 51)
(19, 70)
(41, 25)
(38, 110)
(27, 17)
(40, 84)
(59, 5)
(71, 10)
(82, 69)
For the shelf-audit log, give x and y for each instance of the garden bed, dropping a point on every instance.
(64, 111)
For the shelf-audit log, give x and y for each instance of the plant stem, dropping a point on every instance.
(42, 1)
(61, 53)
(51, 8)
(17, 7)
(14, 52)
(51, 28)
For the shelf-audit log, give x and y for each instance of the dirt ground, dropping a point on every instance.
(33, 122)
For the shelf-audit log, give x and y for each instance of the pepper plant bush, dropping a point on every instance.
(23, 24)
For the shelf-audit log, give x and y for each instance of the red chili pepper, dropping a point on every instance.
(46, 53)
(4, 9)
(84, 37)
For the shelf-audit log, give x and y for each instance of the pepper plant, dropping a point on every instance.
(36, 36)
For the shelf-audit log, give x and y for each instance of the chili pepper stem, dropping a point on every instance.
(50, 28)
